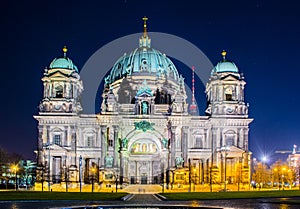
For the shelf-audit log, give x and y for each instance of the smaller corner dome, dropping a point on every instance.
(63, 62)
(225, 66)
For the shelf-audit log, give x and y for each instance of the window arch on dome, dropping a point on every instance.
(144, 65)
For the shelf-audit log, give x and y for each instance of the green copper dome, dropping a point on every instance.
(225, 66)
(144, 60)
(63, 62)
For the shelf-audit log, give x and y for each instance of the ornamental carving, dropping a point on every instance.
(144, 126)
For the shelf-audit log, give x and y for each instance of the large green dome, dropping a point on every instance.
(144, 60)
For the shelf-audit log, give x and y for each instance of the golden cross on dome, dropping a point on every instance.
(145, 25)
(224, 55)
(65, 49)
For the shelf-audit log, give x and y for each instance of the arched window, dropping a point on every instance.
(90, 141)
(59, 91)
(198, 142)
(229, 141)
(57, 139)
(228, 94)
(144, 65)
(230, 138)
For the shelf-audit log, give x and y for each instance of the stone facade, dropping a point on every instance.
(144, 133)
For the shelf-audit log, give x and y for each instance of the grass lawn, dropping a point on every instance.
(230, 195)
(30, 195)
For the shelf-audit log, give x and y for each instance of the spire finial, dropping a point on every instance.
(193, 106)
(145, 25)
(65, 49)
(224, 55)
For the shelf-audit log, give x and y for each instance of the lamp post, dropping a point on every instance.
(240, 173)
(80, 164)
(282, 177)
(275, 171)
(194, 180)
(43, 169)
(299, 177)
(66, 177)
(93, 173)
(15, 168)
(117, 183)
(48, 147)
(241, 179)
(190, 182)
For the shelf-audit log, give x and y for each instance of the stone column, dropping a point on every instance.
(151, 171)
(172, 143)
(73, 145)
(40, 145)
(241, 138)
(121, 166)
(246, 135)
(214, 144)
(116, 145)
(103, 145)
(184, 148)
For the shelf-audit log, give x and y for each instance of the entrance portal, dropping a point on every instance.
(144, 179)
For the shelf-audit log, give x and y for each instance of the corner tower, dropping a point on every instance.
(228, 115)
(225, 91)
(62, 87)
(59, 111)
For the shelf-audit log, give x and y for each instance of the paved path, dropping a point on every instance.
(143, 189)
(143, 198)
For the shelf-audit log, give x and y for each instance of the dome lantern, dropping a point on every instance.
(63, 62)
(143, 60)
(225, 65)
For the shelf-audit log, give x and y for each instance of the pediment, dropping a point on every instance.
(56, 148)
(230, 77)
(144, 94)
(235, 152)
(58, 74)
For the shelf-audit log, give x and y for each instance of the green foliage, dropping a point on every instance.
(6, 157)
(30, 195)
(229, 195)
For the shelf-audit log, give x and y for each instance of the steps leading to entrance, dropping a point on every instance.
(143, 189)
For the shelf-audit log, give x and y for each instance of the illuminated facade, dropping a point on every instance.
(145, 133)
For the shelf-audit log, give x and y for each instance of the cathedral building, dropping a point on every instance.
(146, 132)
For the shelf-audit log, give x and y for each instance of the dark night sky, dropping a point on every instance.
(261, 37)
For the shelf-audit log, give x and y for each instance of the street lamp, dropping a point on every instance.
(117, 183)
(80, 164)
(48, 147)
(264, 170)
(264, 159)
(93, 173)
(282, 177)
(241, 165)
(15, 168)
(194, 179)
(66, 177)
(274, 178)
